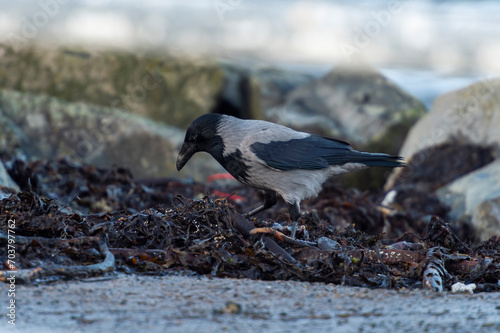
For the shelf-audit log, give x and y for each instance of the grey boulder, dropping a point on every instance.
(43, 127)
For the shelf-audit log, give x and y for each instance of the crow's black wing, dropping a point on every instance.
(311, 153)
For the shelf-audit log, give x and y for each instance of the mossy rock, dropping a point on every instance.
(167, 89)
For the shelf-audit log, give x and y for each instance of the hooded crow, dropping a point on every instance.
(274, 158)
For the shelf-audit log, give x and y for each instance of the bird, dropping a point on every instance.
(276, 159)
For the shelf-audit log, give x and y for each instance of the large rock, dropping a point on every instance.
(358, 105)
(45, 127)
(486, 218)
(465, 194)
(168, 89)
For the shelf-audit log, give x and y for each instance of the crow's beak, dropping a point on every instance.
(187, 150)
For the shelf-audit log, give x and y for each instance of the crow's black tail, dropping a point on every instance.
(376, 159)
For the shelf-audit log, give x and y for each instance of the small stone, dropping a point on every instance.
(325, 243)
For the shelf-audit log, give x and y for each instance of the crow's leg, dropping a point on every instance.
(270, 199)
(294, 210)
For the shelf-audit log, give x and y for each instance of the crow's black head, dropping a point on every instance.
(201, 135)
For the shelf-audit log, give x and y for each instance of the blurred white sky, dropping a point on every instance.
(447, 38)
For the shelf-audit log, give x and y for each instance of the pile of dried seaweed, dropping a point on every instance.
(154, 228)
(87, 188)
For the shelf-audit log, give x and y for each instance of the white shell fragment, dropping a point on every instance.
(460, 287)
